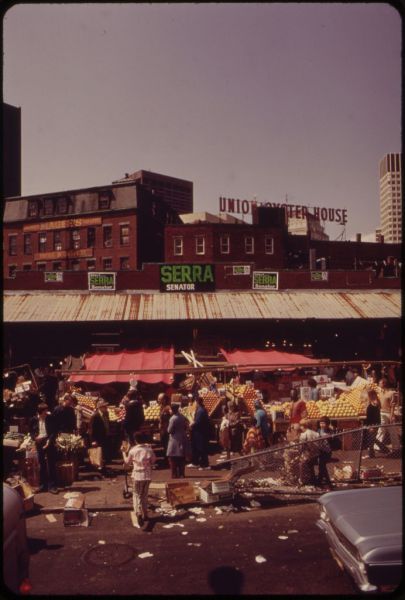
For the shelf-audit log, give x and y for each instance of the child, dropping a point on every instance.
(254, 439)
(143, 458)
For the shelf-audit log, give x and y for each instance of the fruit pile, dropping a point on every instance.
(211, 402)
(87, 401)
(152, 413)
(113, 413)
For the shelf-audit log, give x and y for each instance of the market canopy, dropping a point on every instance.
(133, 362)
(247, 360)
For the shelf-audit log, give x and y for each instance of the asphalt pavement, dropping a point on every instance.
(233, 548)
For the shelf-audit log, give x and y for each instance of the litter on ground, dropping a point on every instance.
(145, 555)
(260, 559)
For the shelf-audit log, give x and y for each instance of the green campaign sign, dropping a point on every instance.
(187, 278)
(319, 275)
(264, 280)
(53, 276)
(101, 281)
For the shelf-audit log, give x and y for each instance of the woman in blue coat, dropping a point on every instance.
(178, 443)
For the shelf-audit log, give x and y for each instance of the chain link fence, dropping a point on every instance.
(355, 457)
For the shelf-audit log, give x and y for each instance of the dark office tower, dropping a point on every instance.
(11, 150)
(177, 193)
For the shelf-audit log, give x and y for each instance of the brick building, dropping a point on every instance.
(108, 228)
(177, 193)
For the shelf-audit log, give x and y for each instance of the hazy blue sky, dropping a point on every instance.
(243, 99)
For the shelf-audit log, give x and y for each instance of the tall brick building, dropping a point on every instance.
(108, 228)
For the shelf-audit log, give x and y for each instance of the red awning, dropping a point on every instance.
(264, 359)
(128, 361)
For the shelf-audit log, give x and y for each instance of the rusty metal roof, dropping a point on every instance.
(20, 307)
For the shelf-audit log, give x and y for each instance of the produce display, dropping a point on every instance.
(89, 402)
(247, 392)
(113, 413)
(211, 402)
(188, 411)
(152, 413)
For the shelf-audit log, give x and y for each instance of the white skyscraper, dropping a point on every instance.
(391, 197)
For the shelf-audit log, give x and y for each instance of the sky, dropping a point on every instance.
(262, 101)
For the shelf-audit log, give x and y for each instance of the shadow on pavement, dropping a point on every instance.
(226, 581)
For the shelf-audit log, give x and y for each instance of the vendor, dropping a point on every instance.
(40, 429)
(99, 429)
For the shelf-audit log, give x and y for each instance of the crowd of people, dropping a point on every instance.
(184, 440)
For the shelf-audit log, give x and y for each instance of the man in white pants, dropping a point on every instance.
(142, 457)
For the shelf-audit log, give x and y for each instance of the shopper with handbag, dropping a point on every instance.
(99, 428)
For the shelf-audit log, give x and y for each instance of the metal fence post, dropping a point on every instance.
(360, 452)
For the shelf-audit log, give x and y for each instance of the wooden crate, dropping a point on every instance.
(66, 473)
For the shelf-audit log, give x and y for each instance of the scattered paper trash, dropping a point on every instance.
(101, 541)
(168, 526)
(51, 518)
(260, 559)
(292, 531)
(184, 533)
(196, 510)
(197, 544)
(220, 526)
(201, 519)
(145, 555)
(283, 537)
(255, 503)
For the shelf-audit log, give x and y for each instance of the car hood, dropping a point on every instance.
(370, 519)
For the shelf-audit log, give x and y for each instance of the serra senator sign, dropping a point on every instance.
(187, 278)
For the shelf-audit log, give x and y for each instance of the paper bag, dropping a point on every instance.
(96, 456)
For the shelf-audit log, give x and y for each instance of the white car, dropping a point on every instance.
(364, 531)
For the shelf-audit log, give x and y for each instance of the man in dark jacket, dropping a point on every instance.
(134, 415)
(41, 429)
(200, 435)
(64, 416)
(99, 429)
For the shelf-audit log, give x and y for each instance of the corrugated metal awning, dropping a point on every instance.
(22, 307)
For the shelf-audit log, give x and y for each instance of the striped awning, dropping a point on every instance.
(38, 307)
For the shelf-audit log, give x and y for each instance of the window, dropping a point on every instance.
(178, 246)
(27, 267)
(124, 235)
(91, 237)
(57, 266)
(57, 241)
(107, 264)
(224, 244)
(124, 263)
(107, 236)
(32, 208)
(27, 243)
(48, 206)
(74, 265)
(41, 266)
(91, 264)
(268, 244)
(104, 200)
(42, 242)
(12, 245)
(62, 206)
(75, 239)
(200, 244)
(249, 244)
(11, 270)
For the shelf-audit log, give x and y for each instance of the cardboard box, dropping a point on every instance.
(179, 493)
(74, 512)
(221, 486)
